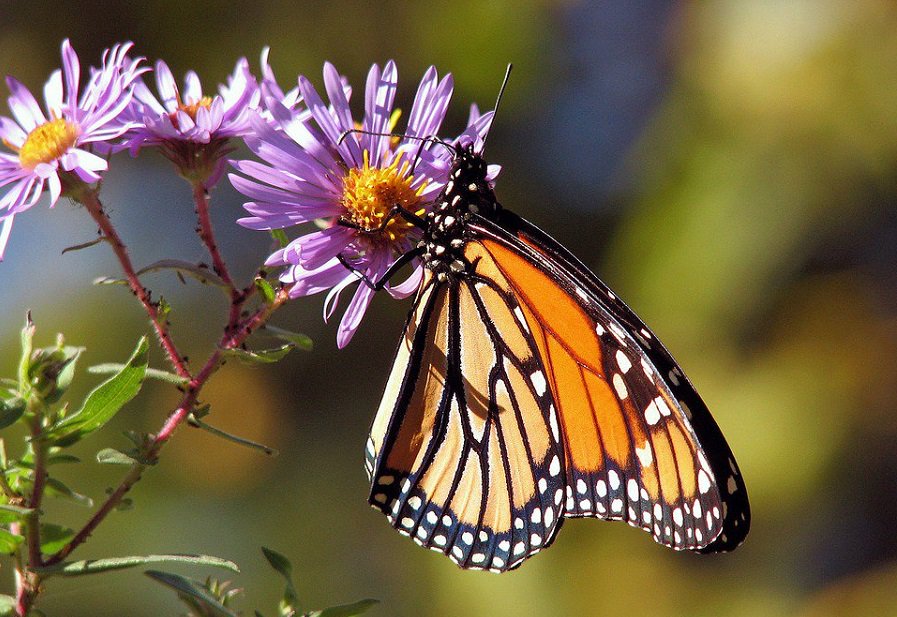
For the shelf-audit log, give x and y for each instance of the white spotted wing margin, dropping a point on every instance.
(461, 454)
(643, 350)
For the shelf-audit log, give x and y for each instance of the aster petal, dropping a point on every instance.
(319, 247)
(55, 187)
(324, 119)
(22, 195)
(332, 299)
(84, 164)
(53, 93)
(5, 229)
(72, 74)
(167, 86)
(340, 102)
(23, 106)
(353, 315)
(430, 104)
(409, 285)
(11, 132)
(192, 88)
(145, 97)
(380, 94)
(309, 282)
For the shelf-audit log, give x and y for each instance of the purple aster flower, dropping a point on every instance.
(352, 184)
(191, 128)
(49, 151)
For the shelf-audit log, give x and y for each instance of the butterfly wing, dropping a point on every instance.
(464, 453)
(640, 443)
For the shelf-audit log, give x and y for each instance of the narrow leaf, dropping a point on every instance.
(11, 514)
(115, 457)
(84, 245)
(188, 589)
(151, 373)
(27, 338)
(54, 537)
(56, 459)
(280, 237)
(108, 280)
(104, 401)
(233, 438)
(302, 341)
(57, 488)
(93, 566)
(263, 356)
(346, 610)
(265, 289)
(285, 568)
(9, 542)
(201, 273)
(10, 411)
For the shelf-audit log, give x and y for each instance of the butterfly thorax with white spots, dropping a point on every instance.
(466, 194)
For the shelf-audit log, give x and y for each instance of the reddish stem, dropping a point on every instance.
(207, 235)
(95, 208)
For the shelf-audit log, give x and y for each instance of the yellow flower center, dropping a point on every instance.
(47, 143)
(371, 193)
(189, 108)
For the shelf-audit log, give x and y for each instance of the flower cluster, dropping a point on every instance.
(363, 183)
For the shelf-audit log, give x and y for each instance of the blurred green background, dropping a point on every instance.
(730, 168)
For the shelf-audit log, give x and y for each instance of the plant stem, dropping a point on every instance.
(35, 559)
(207, 235)
(92, 202)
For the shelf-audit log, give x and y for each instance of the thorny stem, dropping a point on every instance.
(95, 208)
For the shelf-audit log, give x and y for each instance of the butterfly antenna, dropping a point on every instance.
(501, 93)
(423, 142)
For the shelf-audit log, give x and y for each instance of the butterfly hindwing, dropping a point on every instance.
(462, 456)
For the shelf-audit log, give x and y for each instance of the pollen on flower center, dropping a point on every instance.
(47, 143)
(371, 193)
(190, 109)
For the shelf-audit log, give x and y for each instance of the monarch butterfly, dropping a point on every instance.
(524, 392)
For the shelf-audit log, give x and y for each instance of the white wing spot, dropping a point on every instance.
(380, 498)
(498, 562)
(620, 387)
(658, 511)
(504, 545)
(549, 517)
(613, 479)
(703, 481)
(646, 517)
(467, 537)
(685, 409)
(599, 329)
(407, 522)
(538, 379)
(536, 516)
(521, 318)
(457, 552)
(478, 558)
(652, 415)
(553, 421)
(518, 523)
(623, 361)
(386, 480)
(601, 488)
(731, 486)
(543, 484)
(558, 496)
(644, 454)
(414, 502)
(662, 406)
(535, 539)
(581, 486)
(519, 548)
(696, 509)
(483, 535)
(632, 489)
(440, 540)
(447, 520)
(585, 504)
(617, 331)
(677, 517)
(673, 379)
(432, 517)
(555, 467)
(647, 369)
(616, 505)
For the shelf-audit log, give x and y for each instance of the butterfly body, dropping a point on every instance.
(525, 392)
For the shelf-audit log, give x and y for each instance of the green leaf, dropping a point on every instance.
(265, 289)
(12, 514)
(56, 459)
(7, 606)
(201, 273)
(57, 488)
(112, 456)
(189, 590)
(345, 610)
(263, 356)
(108, 280)
(9, 542)
(151, 373)
(302, 341)
(280, 236)
(285, 568)
(104, 401)
(67, 359)
(10, 411)
(54, 537)
(94, 566)
(195, 421)
(83, 245)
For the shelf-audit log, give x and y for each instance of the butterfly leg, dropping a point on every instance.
(390, 272)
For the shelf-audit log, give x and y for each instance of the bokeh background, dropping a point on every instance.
(730, 168)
